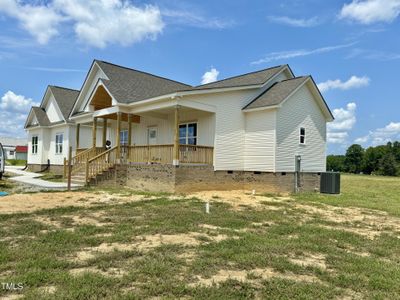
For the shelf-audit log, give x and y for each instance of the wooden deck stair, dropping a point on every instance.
(91, 163)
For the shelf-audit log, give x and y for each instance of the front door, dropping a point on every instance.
(152, 133)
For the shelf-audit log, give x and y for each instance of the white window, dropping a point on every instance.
(188, 134)
(34, 144)
(302, 135)
(12, 152)
(123, 135)
(152, 133)
(59, 143)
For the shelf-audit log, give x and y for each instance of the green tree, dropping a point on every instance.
(335, 163)
(354, 158)
(396, 151)
(388, 165)
(372, 157)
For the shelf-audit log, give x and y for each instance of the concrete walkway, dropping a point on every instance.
(31, 178)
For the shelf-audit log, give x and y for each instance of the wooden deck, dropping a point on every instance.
(88, 163)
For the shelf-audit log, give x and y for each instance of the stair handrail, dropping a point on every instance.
(100, 163)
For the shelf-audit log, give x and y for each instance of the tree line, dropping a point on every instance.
(379, 160)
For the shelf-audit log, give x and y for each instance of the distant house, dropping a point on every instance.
(14, 148)
(21, 152)
(264, 130)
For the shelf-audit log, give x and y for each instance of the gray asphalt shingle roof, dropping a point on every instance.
(253, 78)
(129, 85)
(277, 93)
(41, 116)
(65, 99)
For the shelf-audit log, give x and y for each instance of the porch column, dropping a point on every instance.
(104, 132)
(129, 130)
(94, 132)
(78, 128)
(175, 161)
(118, 135)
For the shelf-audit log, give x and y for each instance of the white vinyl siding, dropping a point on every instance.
(301, 110)
(229, 127)
(259, 154)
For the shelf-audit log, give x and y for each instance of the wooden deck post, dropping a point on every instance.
(129, 136)
(78, 128)
(175, 161)
(65, 168)
(118, 136)
(69, 168)
(94, 133)
(104, 132)
(129, 130)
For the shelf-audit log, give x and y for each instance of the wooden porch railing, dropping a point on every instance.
(79, 160)
(152, 153)
(94, 161)
(196, 154)
(100, 163)
(163, 154)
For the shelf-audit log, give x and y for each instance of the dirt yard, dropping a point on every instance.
(120, 244)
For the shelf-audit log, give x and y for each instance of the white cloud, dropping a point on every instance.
(373, 54)
(337, 137)
(371, 11)
(361, 140)
(40, 21)
(16, 103)
(96, 23)
(380, 136)
(297, 53)
(210, 76)
(188, 18)
(351, 83)
(345, 119)
(294, 22)
(13, 113)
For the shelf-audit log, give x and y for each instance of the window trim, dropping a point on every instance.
(302, 135)
(58, 144)
(196, 137)
(36, 145)
(121, 133)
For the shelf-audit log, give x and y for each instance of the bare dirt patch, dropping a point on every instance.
(12, 297)
(239, 199)
(109, 272)
(148, 242)
(20, 203)
(317, 260)
(51, 289)
(252, 276)
(366, 222)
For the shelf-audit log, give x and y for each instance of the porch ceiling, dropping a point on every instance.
(101, 99)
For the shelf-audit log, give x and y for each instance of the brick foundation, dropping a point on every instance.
(185, 178)
(56, 169)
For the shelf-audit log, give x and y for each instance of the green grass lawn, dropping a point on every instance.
(165, 246)
(16, 162)
(5, 184)
(374, 192)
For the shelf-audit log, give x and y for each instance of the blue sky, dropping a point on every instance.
(350, 47)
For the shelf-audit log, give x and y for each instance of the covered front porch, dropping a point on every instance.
(169, 135)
